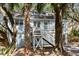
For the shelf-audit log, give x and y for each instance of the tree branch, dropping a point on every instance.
(6, 12)
(72, 17)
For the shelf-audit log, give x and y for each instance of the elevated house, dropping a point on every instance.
(42, 25)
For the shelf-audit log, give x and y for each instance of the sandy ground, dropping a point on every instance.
(38, 52)
(72, 49)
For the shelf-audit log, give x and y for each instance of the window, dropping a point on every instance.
(21, 22)
(38, 24)
(34, 23)
(45, 25)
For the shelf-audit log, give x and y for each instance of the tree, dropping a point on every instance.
(3, 37)
(8, 19)
(10, 28)
(27, 8)
(59, 11)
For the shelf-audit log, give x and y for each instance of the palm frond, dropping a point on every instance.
(40, 7)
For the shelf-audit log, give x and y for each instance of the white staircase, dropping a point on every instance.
(39, 36)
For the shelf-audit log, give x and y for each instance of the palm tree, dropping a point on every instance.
(27, 8)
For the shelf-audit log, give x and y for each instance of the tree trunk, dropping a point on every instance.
(14, 33)
(58, 28)
(27, 29)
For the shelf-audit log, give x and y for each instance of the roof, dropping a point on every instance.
(36, 16)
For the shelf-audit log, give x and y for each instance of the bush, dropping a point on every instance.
(75, 32)
(74, 35)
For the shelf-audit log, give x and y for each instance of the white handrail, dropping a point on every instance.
(47, 35)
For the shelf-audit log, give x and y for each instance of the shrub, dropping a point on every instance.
(74, 35)
(75, 32)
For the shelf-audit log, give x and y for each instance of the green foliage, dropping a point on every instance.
(1, 28)
(12, 5)
(48, 7)
(40, 7)
(18, 7)
(7, 51)
(2, 51)
(75, 32)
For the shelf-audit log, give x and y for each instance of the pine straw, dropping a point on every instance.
(45, 52)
